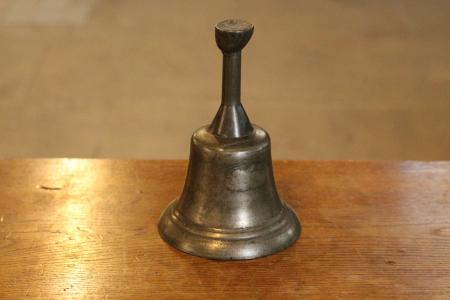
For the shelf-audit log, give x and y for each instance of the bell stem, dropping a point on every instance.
(231, 78)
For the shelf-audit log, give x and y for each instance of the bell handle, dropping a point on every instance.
(231, 121)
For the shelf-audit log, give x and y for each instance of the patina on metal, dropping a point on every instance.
(229, 208)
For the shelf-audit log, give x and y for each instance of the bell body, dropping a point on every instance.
(229, 208)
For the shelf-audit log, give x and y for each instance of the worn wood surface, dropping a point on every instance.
(87, 228)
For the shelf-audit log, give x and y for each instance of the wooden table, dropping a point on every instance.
(87, 228)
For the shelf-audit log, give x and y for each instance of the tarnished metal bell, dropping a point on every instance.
(229, 208)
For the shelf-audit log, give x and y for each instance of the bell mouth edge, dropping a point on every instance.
(265, 241)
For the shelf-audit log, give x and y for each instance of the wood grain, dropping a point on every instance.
(87, 229)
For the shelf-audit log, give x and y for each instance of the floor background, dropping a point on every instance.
(133, 79)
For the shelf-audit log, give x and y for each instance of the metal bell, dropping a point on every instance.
(229, 208)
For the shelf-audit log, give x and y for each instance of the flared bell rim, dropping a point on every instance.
(232, 244)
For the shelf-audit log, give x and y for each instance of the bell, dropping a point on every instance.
(229, 208)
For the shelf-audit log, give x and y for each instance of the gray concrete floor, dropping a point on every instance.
(133, 79)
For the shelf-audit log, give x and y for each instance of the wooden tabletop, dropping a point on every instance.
(87, 228)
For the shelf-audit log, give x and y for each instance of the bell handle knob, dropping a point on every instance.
(233, 34)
